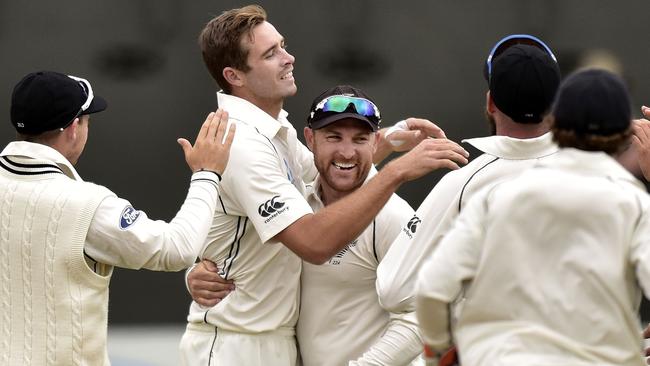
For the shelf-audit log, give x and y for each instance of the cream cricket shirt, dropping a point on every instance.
(55, 297)
(503, 156)
(262, 192)
(121, 235)
(340, 316)
(552, 263)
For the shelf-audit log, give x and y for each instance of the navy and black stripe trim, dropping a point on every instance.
(206, 180)
(460, 200)
(222, 205)
(234, 246)
(374, 241)
(243, 231)
(34, 169)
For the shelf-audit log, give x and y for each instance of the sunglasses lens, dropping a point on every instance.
(340, 103)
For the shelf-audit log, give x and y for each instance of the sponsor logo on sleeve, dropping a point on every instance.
(272, 208)
(128, 217)
(412, 226)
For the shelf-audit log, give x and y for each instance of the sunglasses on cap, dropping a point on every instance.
(340, 103)
(510, 41)
(88, 93)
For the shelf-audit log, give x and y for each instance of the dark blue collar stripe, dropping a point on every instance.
(31, 166)
(20, 172)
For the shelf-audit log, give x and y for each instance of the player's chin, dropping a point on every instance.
(292, 90)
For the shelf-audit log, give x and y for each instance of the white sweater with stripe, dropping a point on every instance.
(53, 306)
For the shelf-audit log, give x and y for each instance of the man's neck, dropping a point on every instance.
(521, 130)
(271, 107)
(328, 195)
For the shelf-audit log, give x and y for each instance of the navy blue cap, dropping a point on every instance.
(593, 102)
(523, 82)
(46, 100)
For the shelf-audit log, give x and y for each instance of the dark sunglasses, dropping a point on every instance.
(340, 103)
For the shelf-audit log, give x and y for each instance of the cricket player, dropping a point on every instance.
(523, 77)
(60, 237)
(339, 307)
(263, 226)
(341, 321)
(552, 263)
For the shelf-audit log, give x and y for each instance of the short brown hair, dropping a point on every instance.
(610, 144)
(220, 41)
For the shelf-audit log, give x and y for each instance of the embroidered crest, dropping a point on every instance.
(128, 217)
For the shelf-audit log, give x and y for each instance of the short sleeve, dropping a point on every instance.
(258, 186)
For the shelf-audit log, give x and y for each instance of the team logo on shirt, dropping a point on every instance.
(336, 260)
(412, 226)
(271, 208)
(128, 217)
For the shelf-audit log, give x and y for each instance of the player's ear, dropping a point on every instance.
(71, 130)
(375, 140)
(489, 103)
(233, 76)
(309, 137)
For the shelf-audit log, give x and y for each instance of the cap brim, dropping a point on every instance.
(98, 104)
(339, 116)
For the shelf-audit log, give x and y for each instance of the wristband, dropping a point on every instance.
(210, 171)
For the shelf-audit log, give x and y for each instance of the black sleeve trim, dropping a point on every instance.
(205, 180)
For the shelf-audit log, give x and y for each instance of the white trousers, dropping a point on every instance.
(206, 345)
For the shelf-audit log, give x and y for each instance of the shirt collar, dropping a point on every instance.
(510, 148)
(246, 112)
(40, 152)
(596, 162)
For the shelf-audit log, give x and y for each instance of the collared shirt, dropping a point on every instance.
(119, 235)
(261, 194)
(340, 316)
(550, 263)
(503, 156)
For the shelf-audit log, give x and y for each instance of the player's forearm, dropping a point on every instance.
(319, 236)
(183, 238)
(399, 345)
(433, 320)
(121, 236)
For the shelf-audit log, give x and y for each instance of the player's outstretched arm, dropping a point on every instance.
(340, 222)
(121, 236)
